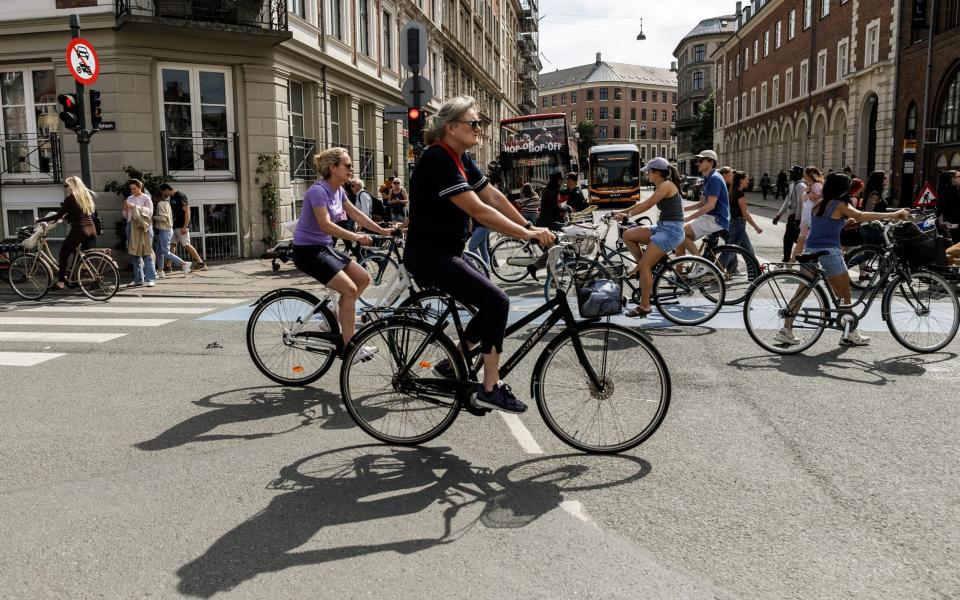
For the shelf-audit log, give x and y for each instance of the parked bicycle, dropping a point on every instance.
(33, 274)
(599, 387)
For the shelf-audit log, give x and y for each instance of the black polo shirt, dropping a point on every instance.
(177, 201)
(436, 223)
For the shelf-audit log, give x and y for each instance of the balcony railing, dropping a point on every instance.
(301, 157)
(200, 156)
(26, 158)
(259, 14)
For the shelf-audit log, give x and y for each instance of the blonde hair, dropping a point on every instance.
(326, 160)
(82, 194)
(451, 111)
(814, 174)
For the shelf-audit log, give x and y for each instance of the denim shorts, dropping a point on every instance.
(832, 263)
(667, 235)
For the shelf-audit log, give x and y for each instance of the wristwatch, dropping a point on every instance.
(528, 225)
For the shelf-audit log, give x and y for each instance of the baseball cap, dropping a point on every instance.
(657, 163)
(796, 169)
(709, 154)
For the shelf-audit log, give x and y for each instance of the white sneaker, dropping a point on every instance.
(186, 267)
(151, 283)
(365, 353)
(697, 272)
(134, 284)
(786, 336)
(160, 275)
(855, 338)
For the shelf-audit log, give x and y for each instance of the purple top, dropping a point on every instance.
(320, 194)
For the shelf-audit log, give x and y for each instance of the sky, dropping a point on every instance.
(573, 31)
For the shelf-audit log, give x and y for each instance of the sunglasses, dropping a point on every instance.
(348, 165)
(474, 123)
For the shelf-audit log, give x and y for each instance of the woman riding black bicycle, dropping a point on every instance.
(446, 190)
(828, 218)
(78, 207)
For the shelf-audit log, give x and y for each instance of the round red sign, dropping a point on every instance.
(83, 61)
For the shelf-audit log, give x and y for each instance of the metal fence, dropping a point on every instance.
(200, 157)
(26, 158)
(261, 14)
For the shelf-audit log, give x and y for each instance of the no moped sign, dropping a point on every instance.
(83, 61)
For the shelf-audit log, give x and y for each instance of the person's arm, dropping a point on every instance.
(362, 219)
(864, 217)
(746, 214)
(330, 228)
(783, 207)
(61, 213)
(499, 219)
(186, 218)
(705, 207)
(642, 207)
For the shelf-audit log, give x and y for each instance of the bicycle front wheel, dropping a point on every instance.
(781, 295)
(509, 259)
(383, 272)
(30, 277)
(98, 276)
(862, 262)
(288, 341)
(689, 290)
(392, 407)
(739, 269)
(922, 312)
(634, 394)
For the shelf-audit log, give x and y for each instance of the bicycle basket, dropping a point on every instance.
(24, 232)
(582, 239)
(31, 240)
(918, 247)
(599, 298)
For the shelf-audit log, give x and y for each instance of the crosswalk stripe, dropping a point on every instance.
(58, 336)
(26, 359)
(121, 299)
(101, 310)
(84, 322)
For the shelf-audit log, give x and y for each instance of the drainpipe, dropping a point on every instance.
(323, 101)
(896, 77)
(931, 31)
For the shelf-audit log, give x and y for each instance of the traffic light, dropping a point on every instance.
(416, 120)
(70, 115)
(96, 114)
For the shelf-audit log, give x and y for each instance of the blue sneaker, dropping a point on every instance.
(501, 398)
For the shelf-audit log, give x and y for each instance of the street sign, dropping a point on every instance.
(108, 126)
(926, 197)
(83, 61)
(909, 146)
(426, 92)
(394, 113)
(413, 46)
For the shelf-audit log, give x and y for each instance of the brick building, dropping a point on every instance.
(695, 81)
(808, 82)
(628, 103)
(940, 148)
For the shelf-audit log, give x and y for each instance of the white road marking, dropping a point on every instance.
(121, 299)
(84, 322)
(26, 359)
(519, 431)
(111, 310)
(57, 336)
(575, 509)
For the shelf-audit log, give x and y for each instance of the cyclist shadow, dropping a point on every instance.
(372, 482)
(248, 405)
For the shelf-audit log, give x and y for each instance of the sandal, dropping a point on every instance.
(638, 313)
(59, 285)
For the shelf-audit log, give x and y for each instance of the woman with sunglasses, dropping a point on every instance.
(78, 208)
(324, 206)
(446, 190)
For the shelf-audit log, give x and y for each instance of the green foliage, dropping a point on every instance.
(151, 184)
(268, 165)
(702, 137)
(586, 139)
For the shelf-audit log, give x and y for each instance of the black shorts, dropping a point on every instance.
(320, 262)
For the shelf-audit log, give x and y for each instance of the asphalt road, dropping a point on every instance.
(162, 463)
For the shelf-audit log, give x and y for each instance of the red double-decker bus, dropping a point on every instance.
(531, 147)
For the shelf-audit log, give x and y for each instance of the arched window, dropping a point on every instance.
(950, 112)
(911, 131)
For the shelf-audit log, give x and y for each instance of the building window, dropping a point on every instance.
(335, 138)
(388, 43)
(603, 132)
(950, 113)
(617, 114)
(775, 98)
(729, 70)
(674, 97)
(752, 109)
(824, 8)
(296, 8)
(673, 114)
(643, 95)
(663, 97)
(766, 43)
(553, 100)
(804, 76)
(698, 80)
(778, 35)
(30, 115)
(788, 85)
(643, 114)
(736, 110)
(617, 95)
(792, 24)
(197, 113)
(807, 13)
(603, 94)
(763, 96)
(364, 28)
(604, 112)
(699, 52)
(872, 47)
(573, 117)
(744, 109)
(843, 59)
(336, 19)
(821, 68)
(663, 116)
(653, 115)
(737, 71)
(911, 131)
(633, 132)
(590, 114)
(633, 114)
(563, 99)
(756, 50)
(616, 132)
(653, 133)
(633, 95)
(746, 58)
(544, 102)
(589, 95)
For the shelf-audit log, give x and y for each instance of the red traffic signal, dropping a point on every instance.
(70, 115)
(413, 114)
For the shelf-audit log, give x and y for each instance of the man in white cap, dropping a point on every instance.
(712, 213)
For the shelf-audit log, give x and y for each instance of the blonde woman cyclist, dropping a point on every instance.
(78, 208)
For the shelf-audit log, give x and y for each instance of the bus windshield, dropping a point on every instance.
(614, 169)
(531, 148)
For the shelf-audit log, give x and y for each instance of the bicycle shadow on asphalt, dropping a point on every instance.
(252, 404)
(830, 364)
(372, 482)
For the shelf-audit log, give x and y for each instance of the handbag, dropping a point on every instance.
(97, 223)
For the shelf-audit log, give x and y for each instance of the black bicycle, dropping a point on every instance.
(599, 387)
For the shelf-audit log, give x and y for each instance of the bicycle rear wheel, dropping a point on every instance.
(922, 313)
(382, 270)
(98, 276)
(509, 259)
(434, 302)
(30, 277)
(476, 261)
(635, 395)
(285, 358)
(779, 295)
(689, 290)
(739, 269)
(388, 406)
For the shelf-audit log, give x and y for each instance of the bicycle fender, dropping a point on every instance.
(284, 292)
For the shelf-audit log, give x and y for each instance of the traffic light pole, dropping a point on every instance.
(83, 136)
(417, 90)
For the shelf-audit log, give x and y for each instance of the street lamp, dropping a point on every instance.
(641, 36)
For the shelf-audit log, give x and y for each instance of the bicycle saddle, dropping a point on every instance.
(811, 257)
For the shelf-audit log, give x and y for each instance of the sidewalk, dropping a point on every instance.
(244, 278)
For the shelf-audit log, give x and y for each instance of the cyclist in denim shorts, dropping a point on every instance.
(828, 218)
(660, 239)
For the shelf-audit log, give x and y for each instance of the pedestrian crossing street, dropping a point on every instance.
(67, 324)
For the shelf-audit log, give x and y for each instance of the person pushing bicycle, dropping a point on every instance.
(78, 207)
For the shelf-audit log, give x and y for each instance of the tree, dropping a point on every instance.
(586, 139)
(702, 137)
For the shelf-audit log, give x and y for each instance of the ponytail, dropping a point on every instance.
(674, 177)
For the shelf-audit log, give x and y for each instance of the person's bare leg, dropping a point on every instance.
(634, 240)
(689, 242)
(491, 370)
(652, 257)
(347, 311)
